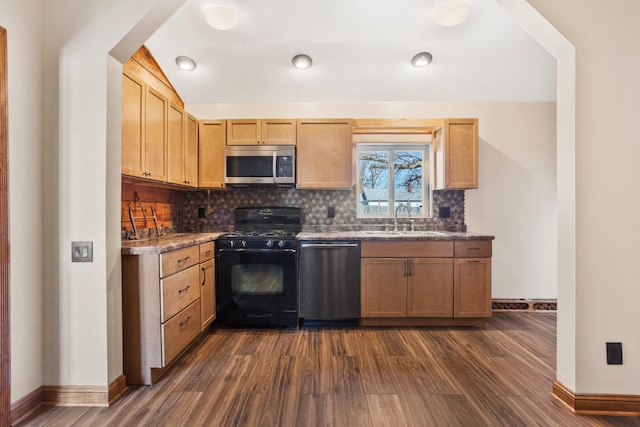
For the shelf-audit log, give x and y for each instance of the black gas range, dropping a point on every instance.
(256, 268)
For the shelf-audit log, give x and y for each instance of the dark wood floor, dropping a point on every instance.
(500, 375)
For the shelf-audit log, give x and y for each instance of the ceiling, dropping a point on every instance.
(361, 51)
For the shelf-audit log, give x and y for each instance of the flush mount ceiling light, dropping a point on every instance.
(220, 17)
(185, 63)
(301, 62)
(421, 59)
(449, 13)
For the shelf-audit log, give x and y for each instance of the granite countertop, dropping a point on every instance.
(181, 240)
(393, 235)
(166, 243)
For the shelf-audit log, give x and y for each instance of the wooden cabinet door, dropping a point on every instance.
(430, 287)
(211, 142)
(243, 132)
(191, 151)
(133, 146)
(175, 145)
(383, 287)
(278, 132)
(155, 127)
(207, 293)
(472, 287)
(324, 154)
(461, 153)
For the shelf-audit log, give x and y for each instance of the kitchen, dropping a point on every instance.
(490, 119)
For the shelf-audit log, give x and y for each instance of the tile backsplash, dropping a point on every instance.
(219, 206)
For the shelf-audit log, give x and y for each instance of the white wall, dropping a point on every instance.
(22, 21)
(82, 182)
(516, 200)
(605, 35)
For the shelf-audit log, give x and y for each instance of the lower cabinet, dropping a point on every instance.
(472, 287)
(400, 287)
(207, 285)
(164, 301)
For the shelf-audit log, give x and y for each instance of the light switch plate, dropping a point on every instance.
(81, 251)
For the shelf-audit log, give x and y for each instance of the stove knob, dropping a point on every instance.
(281, 244)
(269, 244)
(231, 243)
(243, 243)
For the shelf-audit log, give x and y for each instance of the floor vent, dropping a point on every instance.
(524, 305)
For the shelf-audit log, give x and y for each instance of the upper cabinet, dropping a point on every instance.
(191, 150)
(144, 130)
(159, 138)
(457, 154)
(175, 145)
(155, 131)
(324, 154)
(212, 136)
(133, 140)
(265, 131)
(182, 147)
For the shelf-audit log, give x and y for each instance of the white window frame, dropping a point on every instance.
(427, 179)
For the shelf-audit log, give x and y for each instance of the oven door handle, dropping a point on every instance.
(262, 251)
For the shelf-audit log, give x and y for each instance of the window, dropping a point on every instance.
(394, 177)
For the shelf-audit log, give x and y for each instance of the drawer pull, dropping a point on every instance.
(473, 249)
(207, 252)
(180, 291)
(183, 260)
(185, 321)
(473, 261)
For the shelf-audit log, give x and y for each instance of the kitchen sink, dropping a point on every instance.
(403, 233)
(380, 232)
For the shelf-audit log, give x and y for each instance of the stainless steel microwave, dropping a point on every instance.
(260, 164)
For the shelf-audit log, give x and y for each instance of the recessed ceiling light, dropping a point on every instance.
(449, 13)
(421, 59)
(220, 17)
(185, 63)
(301, 62)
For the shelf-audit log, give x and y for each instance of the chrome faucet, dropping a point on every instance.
(395, 218)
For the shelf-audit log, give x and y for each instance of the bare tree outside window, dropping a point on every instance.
(393, 173)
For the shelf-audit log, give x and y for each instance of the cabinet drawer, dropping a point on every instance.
(174, 261)
(206, 251)
(473, 249)
(407, 248)
(178, 332)
(178, 291)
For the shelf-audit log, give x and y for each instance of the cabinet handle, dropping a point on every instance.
(204, 276)
(405, 268)
(185, 321)
(180, 291)
(180, 261)
(410, 268)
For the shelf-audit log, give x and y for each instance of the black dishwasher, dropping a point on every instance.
(329, 282)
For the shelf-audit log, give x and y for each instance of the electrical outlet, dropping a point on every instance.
(81, 251)
(202, 212)
(331, 212)
(614, 353)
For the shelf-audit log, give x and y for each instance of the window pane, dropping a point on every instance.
(407, 181)
(374, 182)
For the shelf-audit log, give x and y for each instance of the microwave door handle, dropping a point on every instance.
(274, 167)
